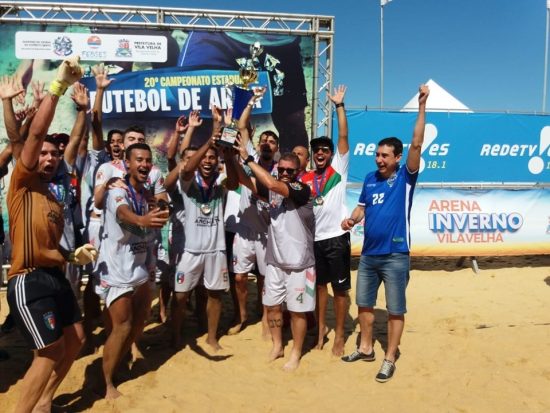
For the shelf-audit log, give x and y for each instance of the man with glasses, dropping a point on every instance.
(385, 203)
(290, 272)
(332, 244)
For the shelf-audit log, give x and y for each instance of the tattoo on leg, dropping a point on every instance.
(275, 323)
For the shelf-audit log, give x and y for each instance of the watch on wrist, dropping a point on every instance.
(339, 105)
(249, 158)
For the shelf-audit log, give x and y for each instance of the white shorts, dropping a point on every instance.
(297, 288)
(110, 293)
(248, 251)
(211, 267)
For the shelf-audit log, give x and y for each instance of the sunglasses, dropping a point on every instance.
(325, 149)
(289, 171)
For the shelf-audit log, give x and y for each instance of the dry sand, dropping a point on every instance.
(472, 343)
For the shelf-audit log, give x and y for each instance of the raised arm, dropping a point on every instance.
(81, 100)
(338, 99)
(193, 162)
(244, 120)
(102, 82)
(68, 73)
(9, 89)
(172, 147)
(413, 158)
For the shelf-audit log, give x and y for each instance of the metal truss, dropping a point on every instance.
(94, 15)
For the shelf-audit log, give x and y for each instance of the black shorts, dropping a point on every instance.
(333, 262)
(42, 303)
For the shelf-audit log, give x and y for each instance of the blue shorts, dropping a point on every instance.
(393, 270)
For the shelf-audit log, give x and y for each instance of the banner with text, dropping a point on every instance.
(449, 222)
(458, 147)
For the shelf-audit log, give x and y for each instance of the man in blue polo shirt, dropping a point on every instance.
(385, 203)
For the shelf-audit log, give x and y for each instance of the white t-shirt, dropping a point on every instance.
(333, 210)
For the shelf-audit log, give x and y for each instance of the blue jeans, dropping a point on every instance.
(393, 270)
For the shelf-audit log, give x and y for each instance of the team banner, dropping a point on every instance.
(459, 147)
(449, 222)
(169, 92)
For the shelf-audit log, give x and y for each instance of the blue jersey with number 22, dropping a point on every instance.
(387, 205)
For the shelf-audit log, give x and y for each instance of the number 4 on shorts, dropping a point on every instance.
(300, 298)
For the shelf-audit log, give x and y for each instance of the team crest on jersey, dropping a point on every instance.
(49, 320)
(119, 199)
(180, 277)
(392, 179)
(296, 185)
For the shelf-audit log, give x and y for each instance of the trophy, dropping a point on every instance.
(248, 73)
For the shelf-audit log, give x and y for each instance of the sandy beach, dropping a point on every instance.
(472, 343)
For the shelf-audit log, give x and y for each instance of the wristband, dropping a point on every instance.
(339, 105)
(71, 257)
(58, 87)
(250, 158)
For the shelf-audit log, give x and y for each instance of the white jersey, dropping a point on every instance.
(330, 188)
(204, 230)
(126, 252)
(291, 230)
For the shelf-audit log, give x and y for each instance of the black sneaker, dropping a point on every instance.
(386, 371)
(358, 355)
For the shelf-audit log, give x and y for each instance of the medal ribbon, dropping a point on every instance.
(58, 191)
(138, 206)
(319, 184)
(205, 195)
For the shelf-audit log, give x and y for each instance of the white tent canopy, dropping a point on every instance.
(439, 101)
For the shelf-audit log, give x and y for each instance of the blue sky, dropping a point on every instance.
(487, 53)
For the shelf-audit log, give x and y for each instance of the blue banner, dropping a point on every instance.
(167, 92)
(458, 147)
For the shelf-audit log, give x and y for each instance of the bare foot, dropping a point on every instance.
(338, 347)
(321, 338)
(274, 354)
(237, 328)
(112, 393)
(136, 353)
(213, 343)
(292, 363)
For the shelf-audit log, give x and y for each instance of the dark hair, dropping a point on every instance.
(134, 128)
(189, 148)
(111, 133)
(53, 140)
(289, 156)
(394, 142)
(270, 133)
(138, 145)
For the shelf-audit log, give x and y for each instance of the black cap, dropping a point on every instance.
(322, 141)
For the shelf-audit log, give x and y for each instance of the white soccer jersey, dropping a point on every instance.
(329, 197)
(204, 230)
(126, 252)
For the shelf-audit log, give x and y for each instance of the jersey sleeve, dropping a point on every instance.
(340, 163)
(23, 176)
(116, 197)
(299, 193)
(103, 174)
(363, 197)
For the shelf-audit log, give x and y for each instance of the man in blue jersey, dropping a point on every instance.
(385, 203)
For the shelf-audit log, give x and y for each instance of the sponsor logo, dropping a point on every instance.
(49, 320)
(536, 163)
(94, 41)
(123, 49)
(63, 46)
